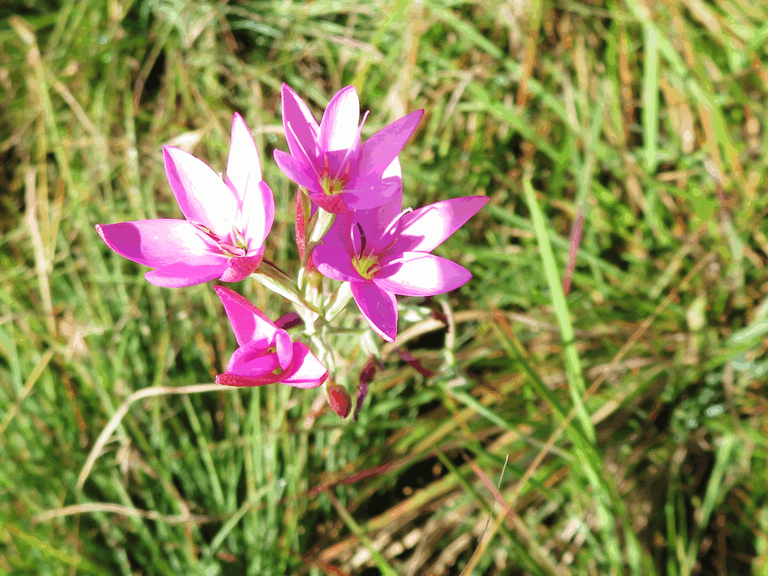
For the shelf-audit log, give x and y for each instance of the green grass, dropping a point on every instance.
(621, 423)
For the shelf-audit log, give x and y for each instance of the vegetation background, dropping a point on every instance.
(614, 428)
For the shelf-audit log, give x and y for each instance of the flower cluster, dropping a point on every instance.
(350, 227)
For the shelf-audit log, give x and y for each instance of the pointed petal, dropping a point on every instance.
(300, 173)
(160, 242)
(202, 195)
(339, 126)
(257, 214)
(378, 152)
(284, 348)
(252, 359)
(301, 129)
(248, 322)
(378, 307)
(420, 274)
(426, 228)
(368, 193)
(394, 170)
(243, 166)
(335, 266)
(239, 268)
(375, 223)
(333, 258)
(256, 367)
(306, 370)
(181, 274)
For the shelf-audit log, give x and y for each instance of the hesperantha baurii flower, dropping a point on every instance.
(266, 354)
(383, 252)
(350, 228)
(329, 160)
(226, 220)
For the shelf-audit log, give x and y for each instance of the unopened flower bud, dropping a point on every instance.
(339, 400)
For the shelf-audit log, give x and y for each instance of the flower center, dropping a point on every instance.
(366, 266)
(277, 371)
(333, 185)
(239, 248)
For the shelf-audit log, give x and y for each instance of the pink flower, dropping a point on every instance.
(382, 253)
(328, 160)
(226, 222)
(266, 354)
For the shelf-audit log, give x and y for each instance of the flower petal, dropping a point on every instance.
(240, 267)
(300, 173)
(284, 348)
(376, 222)
(419, 274)
(248, 322)
(426, 228)
(202, 195)
(339, 126)
(252, 359)
(160, 242)
(257, 214)
(306, 370)
(378, 307)
(243, 166)
(377, 153)
(367, 193)
(333, 258)
(182, 274)
(257, 367)
(301, 129)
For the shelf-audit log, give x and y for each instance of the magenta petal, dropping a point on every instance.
(364, 194)
(284, 349)
(158, 243)
(306, 370)
(301, 129)
(181, 274)
(420, 274)
(248, 322)
(239, 268)
(257, 214)
(258, 367)
(376, 220)
(202, 195)
(254, 351)
(339, 126)
(301, 174)
(426, 228)
(378, 307)
(333, 259)
(377, 153)
(243, 166)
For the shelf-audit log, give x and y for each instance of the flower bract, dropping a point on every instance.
(329, 160)
(383, 252)
(226, 220)
(266, 354)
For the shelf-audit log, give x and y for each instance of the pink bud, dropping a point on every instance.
(339, 400)
(301, 225)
